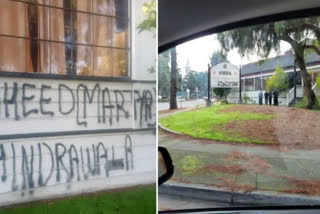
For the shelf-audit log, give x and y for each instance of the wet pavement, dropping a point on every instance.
(243, 168)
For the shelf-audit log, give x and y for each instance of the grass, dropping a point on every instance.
(204, 123)
(303, 104)
(138, 200)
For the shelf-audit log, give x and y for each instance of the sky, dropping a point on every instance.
(198, 52)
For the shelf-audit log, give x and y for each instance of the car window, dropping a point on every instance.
(239, 113)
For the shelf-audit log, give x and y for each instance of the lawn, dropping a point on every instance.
(137, 200)
(208, 123)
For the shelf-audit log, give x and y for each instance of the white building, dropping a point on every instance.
(254, 76)
(77, 99)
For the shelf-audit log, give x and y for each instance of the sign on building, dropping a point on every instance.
(224, 75)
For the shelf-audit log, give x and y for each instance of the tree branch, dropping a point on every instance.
(314, 28)
(313, 47)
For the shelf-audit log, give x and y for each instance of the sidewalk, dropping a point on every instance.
(244, 168)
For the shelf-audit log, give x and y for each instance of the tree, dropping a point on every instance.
(217, 57)
(164, 74)
(222, 92)
(318, 81)
(150, 23)
(173, 83)
(302, 34)
(279, 81)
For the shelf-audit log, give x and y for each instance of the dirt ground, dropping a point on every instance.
(290, 128)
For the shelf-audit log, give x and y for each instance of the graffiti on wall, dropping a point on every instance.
(87, 105)
(26, 167)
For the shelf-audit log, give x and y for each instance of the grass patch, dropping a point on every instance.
(304, 102)
(204, 123)
(138, 200)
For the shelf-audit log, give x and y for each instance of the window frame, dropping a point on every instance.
(26, 74)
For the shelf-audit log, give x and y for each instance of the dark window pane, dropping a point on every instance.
(121, 36)
(66, 4)
(258, 83)
(12, 54)
(12, 18)
(37, 21)
(38, 56)
(102, 59)
(122, 8)
(249, 84)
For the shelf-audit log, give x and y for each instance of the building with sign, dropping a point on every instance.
(77, 98)
(254, 76)
(224, 75)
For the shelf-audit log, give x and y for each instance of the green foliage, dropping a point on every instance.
(208, 123)
(217, 57)
(222, 92)
(318, 81)
(138, 200)
(304, 102)
(194, 79)
(262, 39)
(164, 74)
(150, 23)
(279, 81)
(246, 99)
(302, 34)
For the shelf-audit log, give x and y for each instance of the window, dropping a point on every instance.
(71, 37)
(249, 84)
(259, 83)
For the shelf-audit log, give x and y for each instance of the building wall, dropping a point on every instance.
(69, 135)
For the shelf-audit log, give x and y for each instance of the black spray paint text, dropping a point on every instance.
(109, 104)
(64, 163)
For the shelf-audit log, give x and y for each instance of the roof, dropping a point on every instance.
(284, 61)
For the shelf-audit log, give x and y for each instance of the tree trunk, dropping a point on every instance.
(307, 83)
(173, 85)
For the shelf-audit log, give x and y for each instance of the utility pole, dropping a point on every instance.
(209, 87)
(294, 79)
(240, 86)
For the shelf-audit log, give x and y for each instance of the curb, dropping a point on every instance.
(168, 130)
(236, 198)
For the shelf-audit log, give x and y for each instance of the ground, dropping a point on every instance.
(283, 127)
(287, 161)
(133, 200)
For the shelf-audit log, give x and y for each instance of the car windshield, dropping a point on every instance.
(239, 113)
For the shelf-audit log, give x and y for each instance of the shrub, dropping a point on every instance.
(304, 102)
(279, 81)
(246, 99)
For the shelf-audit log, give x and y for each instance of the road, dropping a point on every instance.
(183, 104)
(173, 202)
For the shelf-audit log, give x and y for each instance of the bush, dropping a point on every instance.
(246, 99)
(221, 92)
(304, 102)
(224, 101)
(279, 81)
